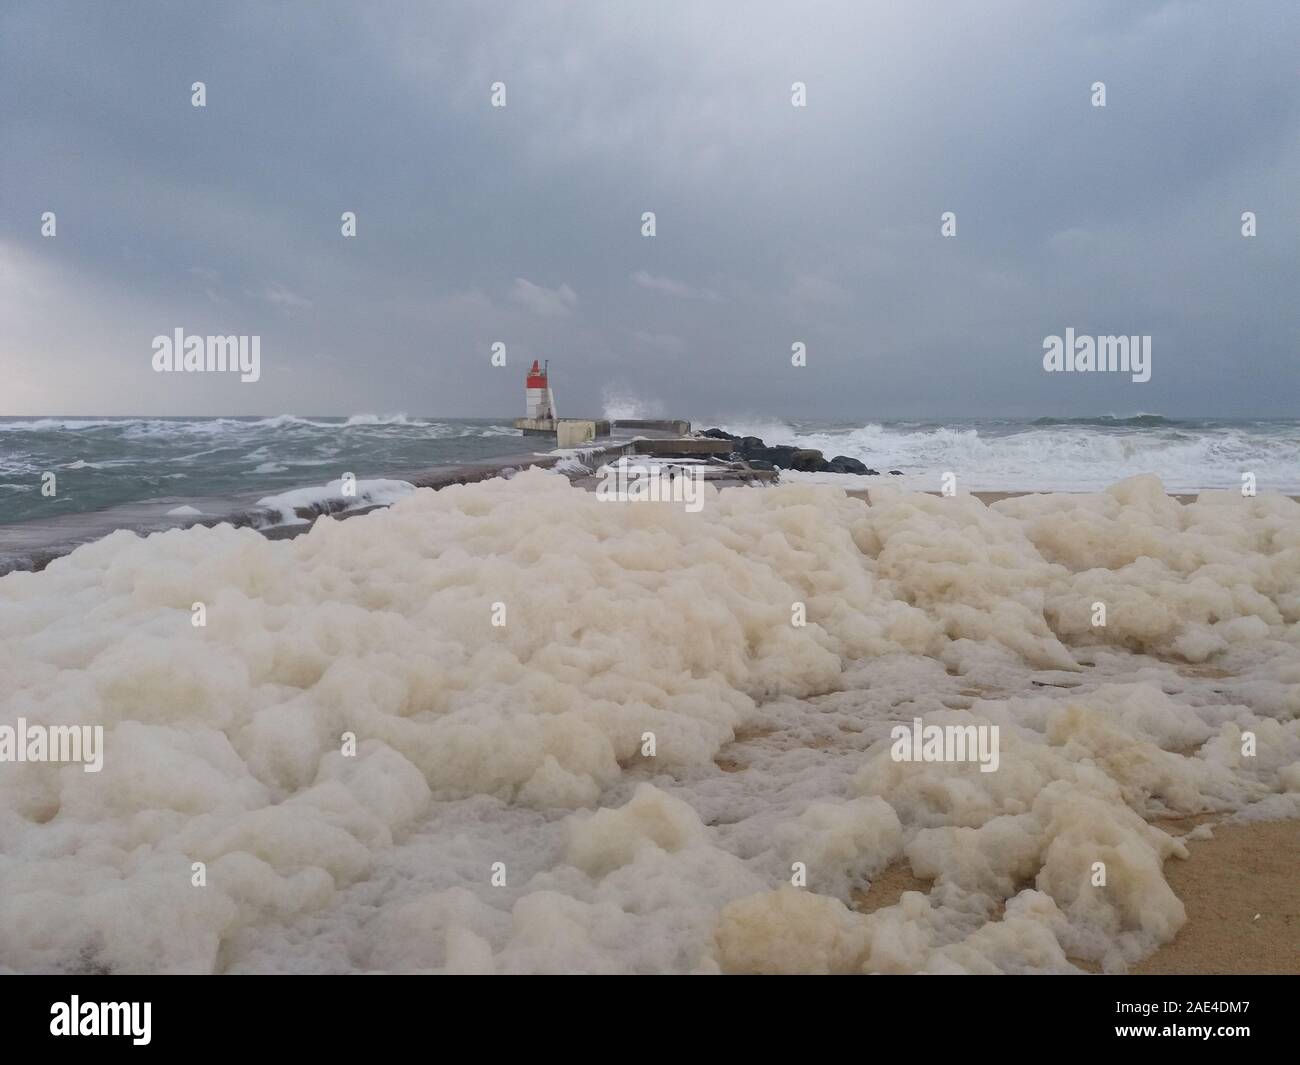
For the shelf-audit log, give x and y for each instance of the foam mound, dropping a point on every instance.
(588, 736)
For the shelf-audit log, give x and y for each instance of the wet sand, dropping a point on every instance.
(1242, 893)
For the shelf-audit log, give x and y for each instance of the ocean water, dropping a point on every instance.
(105, 462)
(153, 473)
(148, 473)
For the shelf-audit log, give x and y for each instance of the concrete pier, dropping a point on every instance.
(691, 445)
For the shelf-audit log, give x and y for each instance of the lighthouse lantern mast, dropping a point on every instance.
(538, 401)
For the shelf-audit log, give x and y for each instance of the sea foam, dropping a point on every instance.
(501, 813)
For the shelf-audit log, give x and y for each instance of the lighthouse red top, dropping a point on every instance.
(536, 377)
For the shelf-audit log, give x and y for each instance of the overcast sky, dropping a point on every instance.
(775, 224)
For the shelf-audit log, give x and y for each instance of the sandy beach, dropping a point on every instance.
(1243, 903)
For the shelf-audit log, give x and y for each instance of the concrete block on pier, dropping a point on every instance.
(692, 445)
(572, 432)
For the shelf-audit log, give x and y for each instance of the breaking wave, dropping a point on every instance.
(1084, 454)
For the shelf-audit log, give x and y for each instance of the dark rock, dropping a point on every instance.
(809, 460)
(778, 456)
(844, 464)
(896, 473)
(789, 457)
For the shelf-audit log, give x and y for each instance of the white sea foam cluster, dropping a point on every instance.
(333, 497)
(506, 653)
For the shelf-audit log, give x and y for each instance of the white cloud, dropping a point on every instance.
(209, 280)
(278, 296)
(658, 343)
(669, 287)
(548, 302)
(809, 288)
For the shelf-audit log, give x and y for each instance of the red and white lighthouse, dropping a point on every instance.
(538, 401)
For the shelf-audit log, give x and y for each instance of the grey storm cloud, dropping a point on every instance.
(774, 223)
